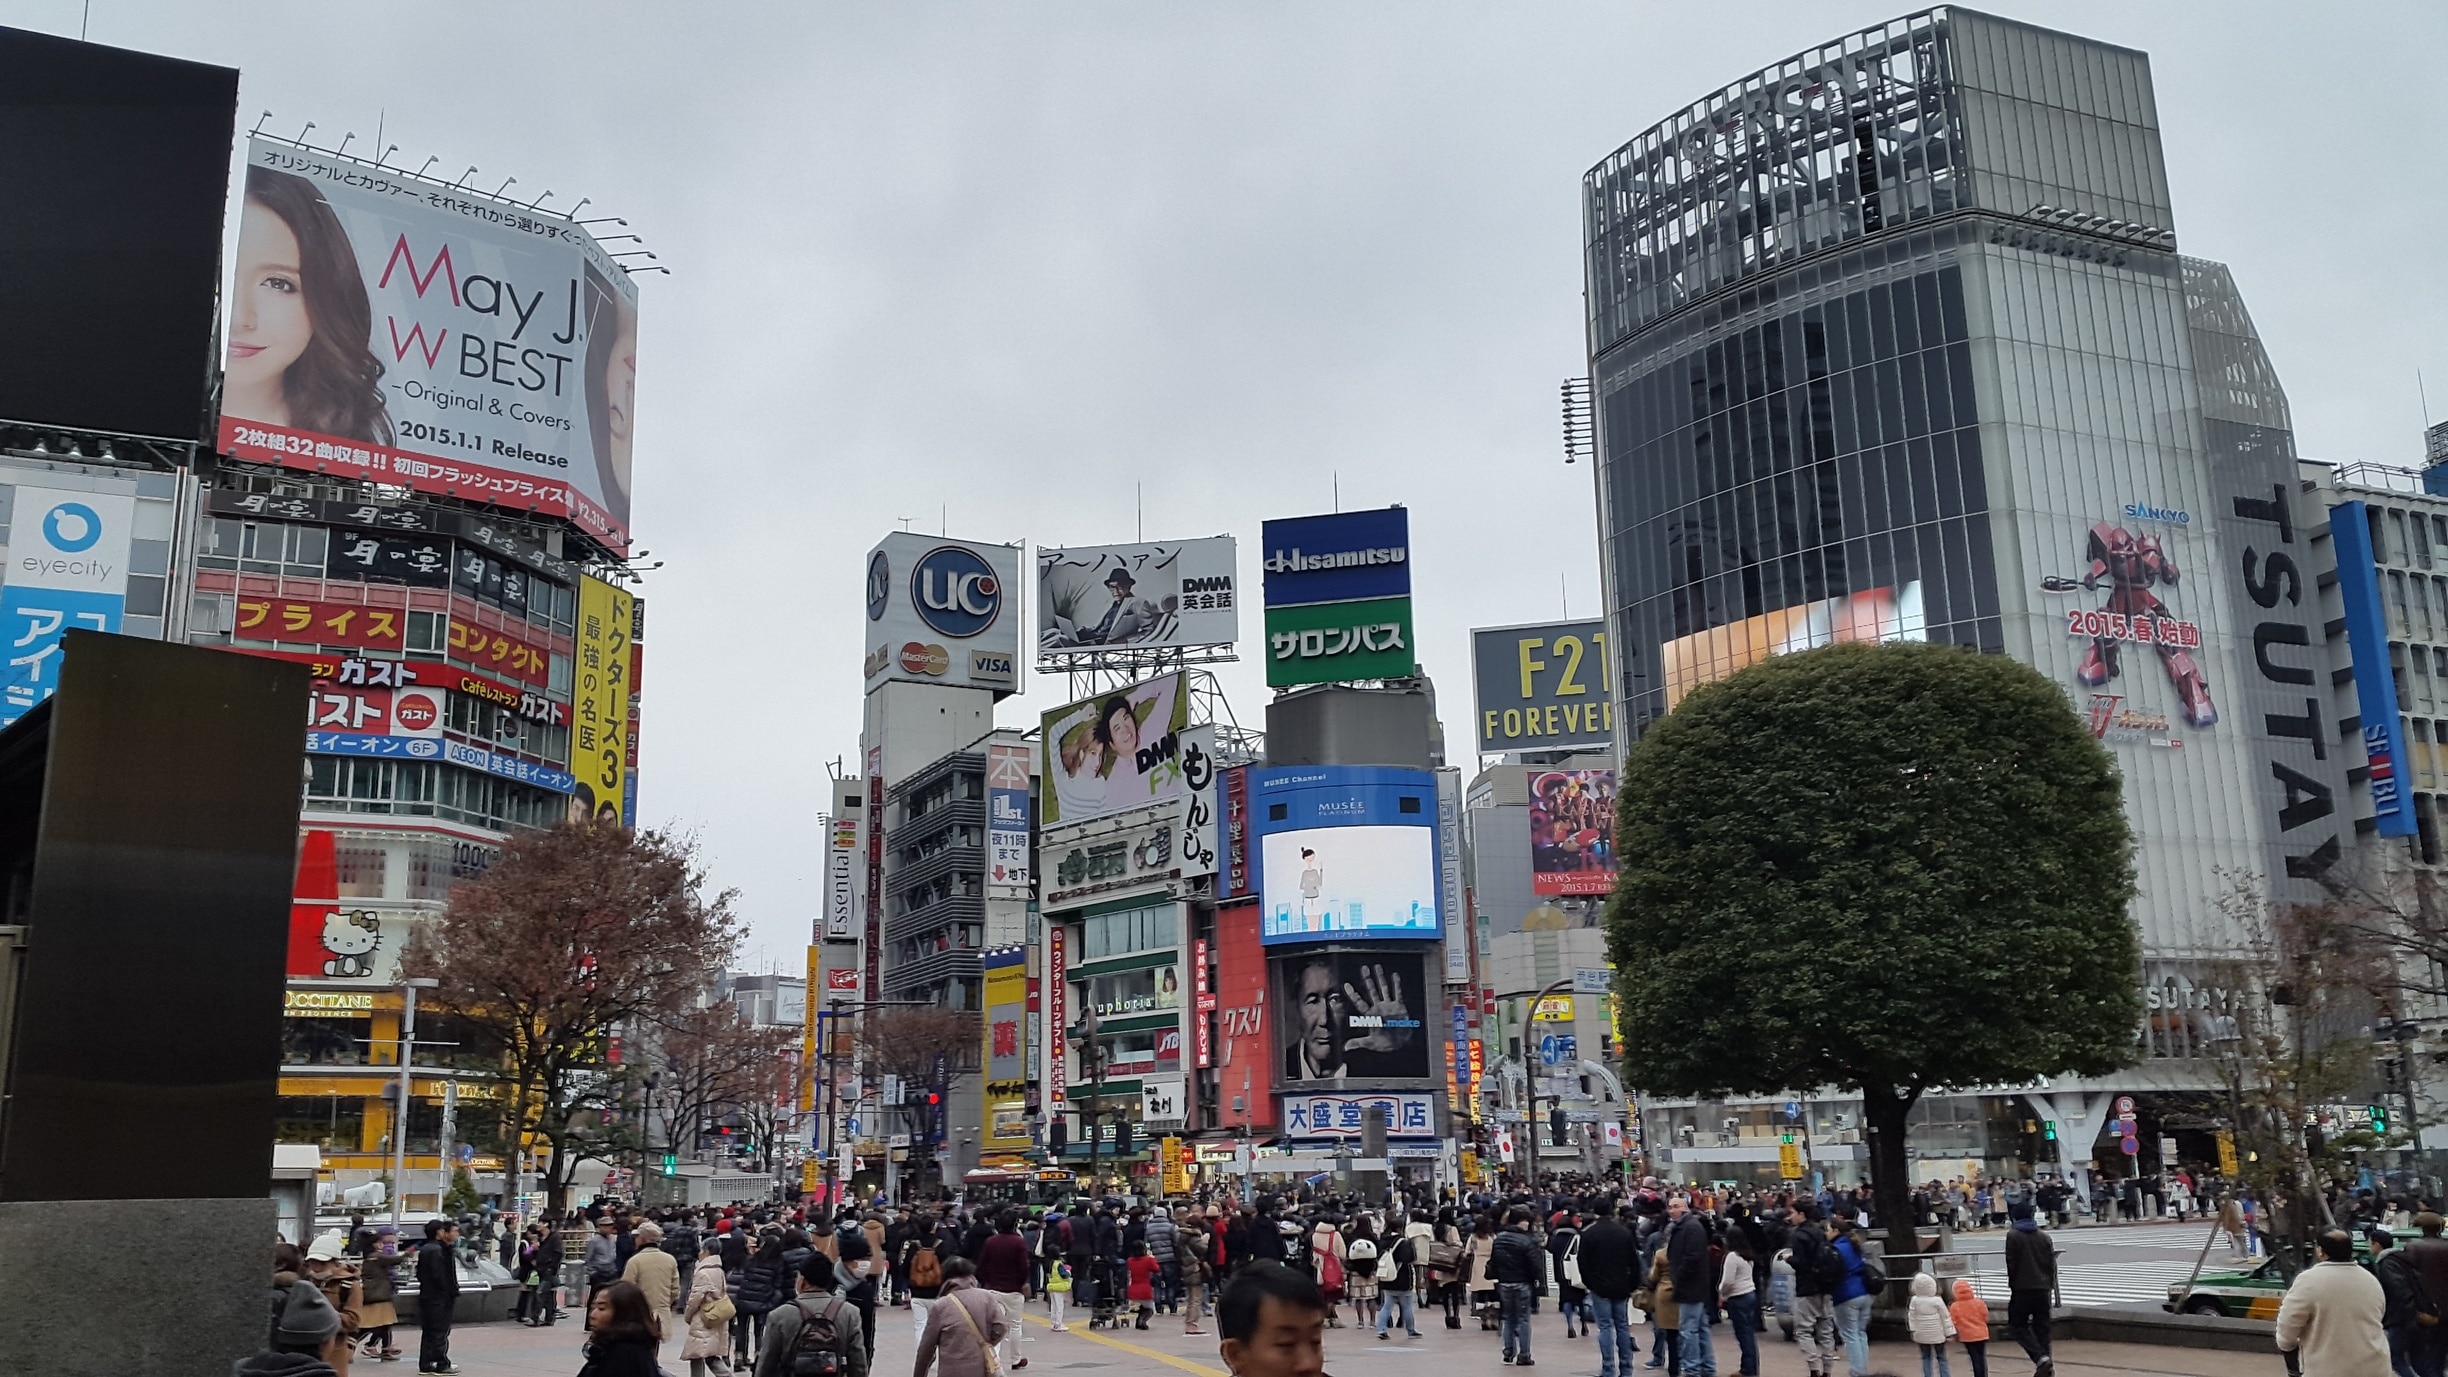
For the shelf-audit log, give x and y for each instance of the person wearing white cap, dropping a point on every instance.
(328, 1267)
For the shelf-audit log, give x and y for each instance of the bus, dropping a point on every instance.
(1024, 1186)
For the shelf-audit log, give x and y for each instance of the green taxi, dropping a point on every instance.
(2251, 1293)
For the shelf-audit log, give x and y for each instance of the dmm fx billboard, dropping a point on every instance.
(943, 612)
(67, 570)
(1543, 687)
(599, 696)
(1153, 846)
(1114, 752)
(1094, 598)
(388, 328)
(1338, 598)
(2350, 526)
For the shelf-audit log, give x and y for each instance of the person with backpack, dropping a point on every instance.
(2031, 1284)
(1360, 1258)
(1857, 1290)
(1816, 1271)
(963, 1327)
(2406, 1303)
(1398, 1274)
(817, 1334)
(924, 1269)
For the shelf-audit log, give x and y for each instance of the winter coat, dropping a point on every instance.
(2401, 1289)
(782, 1331)
(1805, 1245)
(949, 1342)
(619, 1359)
(2031, 1259)
(1928, 1316)
(1515, 1260)
(1003, 1264)
(762, 1286)
(2331, 1320)
(706, 1338)
(1160, 1236)
(1687, 1257)
(1608, 1259)
(437, 1274)
(652, 1271)
(1970, 1313)
(1477, 1256)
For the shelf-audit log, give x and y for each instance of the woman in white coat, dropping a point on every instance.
(708, 1345)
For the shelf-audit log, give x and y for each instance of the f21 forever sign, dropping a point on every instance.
(1542, 687)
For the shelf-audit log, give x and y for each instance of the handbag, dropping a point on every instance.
(994, 1361)
(717, 1311)
(1572, 1264)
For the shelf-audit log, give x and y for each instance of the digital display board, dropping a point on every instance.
(1345, 851)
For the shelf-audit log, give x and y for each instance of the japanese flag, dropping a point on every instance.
(1504, 1145)
(1614, 1135)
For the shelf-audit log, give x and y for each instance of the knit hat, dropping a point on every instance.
(2020, 1209)
(306, 1319)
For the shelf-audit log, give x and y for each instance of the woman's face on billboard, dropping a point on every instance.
(269, 328)
(620, 391)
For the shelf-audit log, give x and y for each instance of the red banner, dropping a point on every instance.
(316, 622)
(315, 898)
(500, 651)
(304, 449)
(356, 672)
(379, 711)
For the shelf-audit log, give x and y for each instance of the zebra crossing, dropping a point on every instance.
(2140, 1282)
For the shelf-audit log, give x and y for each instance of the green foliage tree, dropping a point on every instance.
(1890, 868)
(461, 1198)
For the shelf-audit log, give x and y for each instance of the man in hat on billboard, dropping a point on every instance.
(1128, 619)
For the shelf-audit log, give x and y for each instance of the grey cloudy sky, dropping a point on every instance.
(998, 264)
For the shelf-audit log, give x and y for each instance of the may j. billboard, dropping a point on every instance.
(1338, 598)
(388, 328)
(943, 612)
(1095, 598)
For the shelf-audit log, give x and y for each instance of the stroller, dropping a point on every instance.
(1107, 1312)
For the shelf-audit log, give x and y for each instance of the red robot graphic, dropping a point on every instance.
(2129, 564)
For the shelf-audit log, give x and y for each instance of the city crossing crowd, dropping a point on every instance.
(771, 1290)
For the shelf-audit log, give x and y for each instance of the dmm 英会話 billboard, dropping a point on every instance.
(1093, 598)
(392, 329)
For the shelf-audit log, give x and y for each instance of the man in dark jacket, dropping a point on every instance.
(1687, 1262)
(1610, 1262)
(1003, 1273)
(2404, 1298)
(1520, 1272)
(2031, 1282)
(437, 1271)
(1814, 1302)
(2429, 1254)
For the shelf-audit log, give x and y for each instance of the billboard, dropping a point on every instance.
(1449, 876)
(1007, 820)
(1339, 642)
(118, 175)
(842, 854)
(2375, 679)
(67, 569)
(943, 612)
(1351, 1014)
(1006, 996)
(1115, 752)
(1572, 831)
(599, 696)
(1344, 557)
(1092, 598)
(1543, 687)
(391, 329)
(1345, 850)
(1704, 657)
(1245, 1051)
(1346, 1116)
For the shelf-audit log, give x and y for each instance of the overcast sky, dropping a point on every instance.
(1003, 265)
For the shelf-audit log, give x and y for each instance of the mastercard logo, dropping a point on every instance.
(925, 659)
(415, 712)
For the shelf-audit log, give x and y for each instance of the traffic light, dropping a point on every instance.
(1058, 1134)
(1122, 1138)
(671, 1164)
(2048, 1130)
(2379, 1119)
(1555, 1127)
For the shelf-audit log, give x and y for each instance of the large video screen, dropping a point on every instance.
(1351, 1015)
(1704, 657)
(1374, 881)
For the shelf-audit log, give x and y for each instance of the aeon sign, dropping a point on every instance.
(956, 591)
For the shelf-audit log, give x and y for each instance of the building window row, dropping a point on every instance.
(1154, 928)
(427, 788)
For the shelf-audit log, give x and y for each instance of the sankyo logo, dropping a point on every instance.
(956, 591)
(879, 586)
(72, 527)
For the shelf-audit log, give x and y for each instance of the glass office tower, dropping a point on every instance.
(1891, 341)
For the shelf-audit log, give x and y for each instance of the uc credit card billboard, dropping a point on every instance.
(400, 330)
(943, 612)
(1343, 852)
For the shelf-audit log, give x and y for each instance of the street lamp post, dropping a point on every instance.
(835, 1012)
(1085, 1033)
(399, 1120)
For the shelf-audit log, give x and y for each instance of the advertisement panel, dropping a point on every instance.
(1572, 831)
(841, 921)
(1245, 1042)
(1346, 1013)
(312, 621)
(1056, 996)
(1346, 1116)
(1114, 752)
(67, 570)
(380, 711)
(1543, 687)
(1007, 820)
(1198, 840)
(943, 612)
(1006, 1003)
(1238, 877)
(1704, 657)
(1346, 850)
(1111, 859)
(1456, 911)
(811, 1008)
(599, 696)
(1342, 557)
(351, 671)
(2375, 679)
(1337, 642)
(422, 336)
(501, 652)
(1092, 598)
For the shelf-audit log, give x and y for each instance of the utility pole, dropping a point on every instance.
(1085, 1035)
(399, 1119)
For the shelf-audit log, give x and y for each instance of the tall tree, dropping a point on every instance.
(580, 931)
(1927, 845)
(712, 1064)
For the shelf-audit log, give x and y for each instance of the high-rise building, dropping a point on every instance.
(1891, 340)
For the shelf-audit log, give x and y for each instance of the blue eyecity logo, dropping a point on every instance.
(57, 523)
